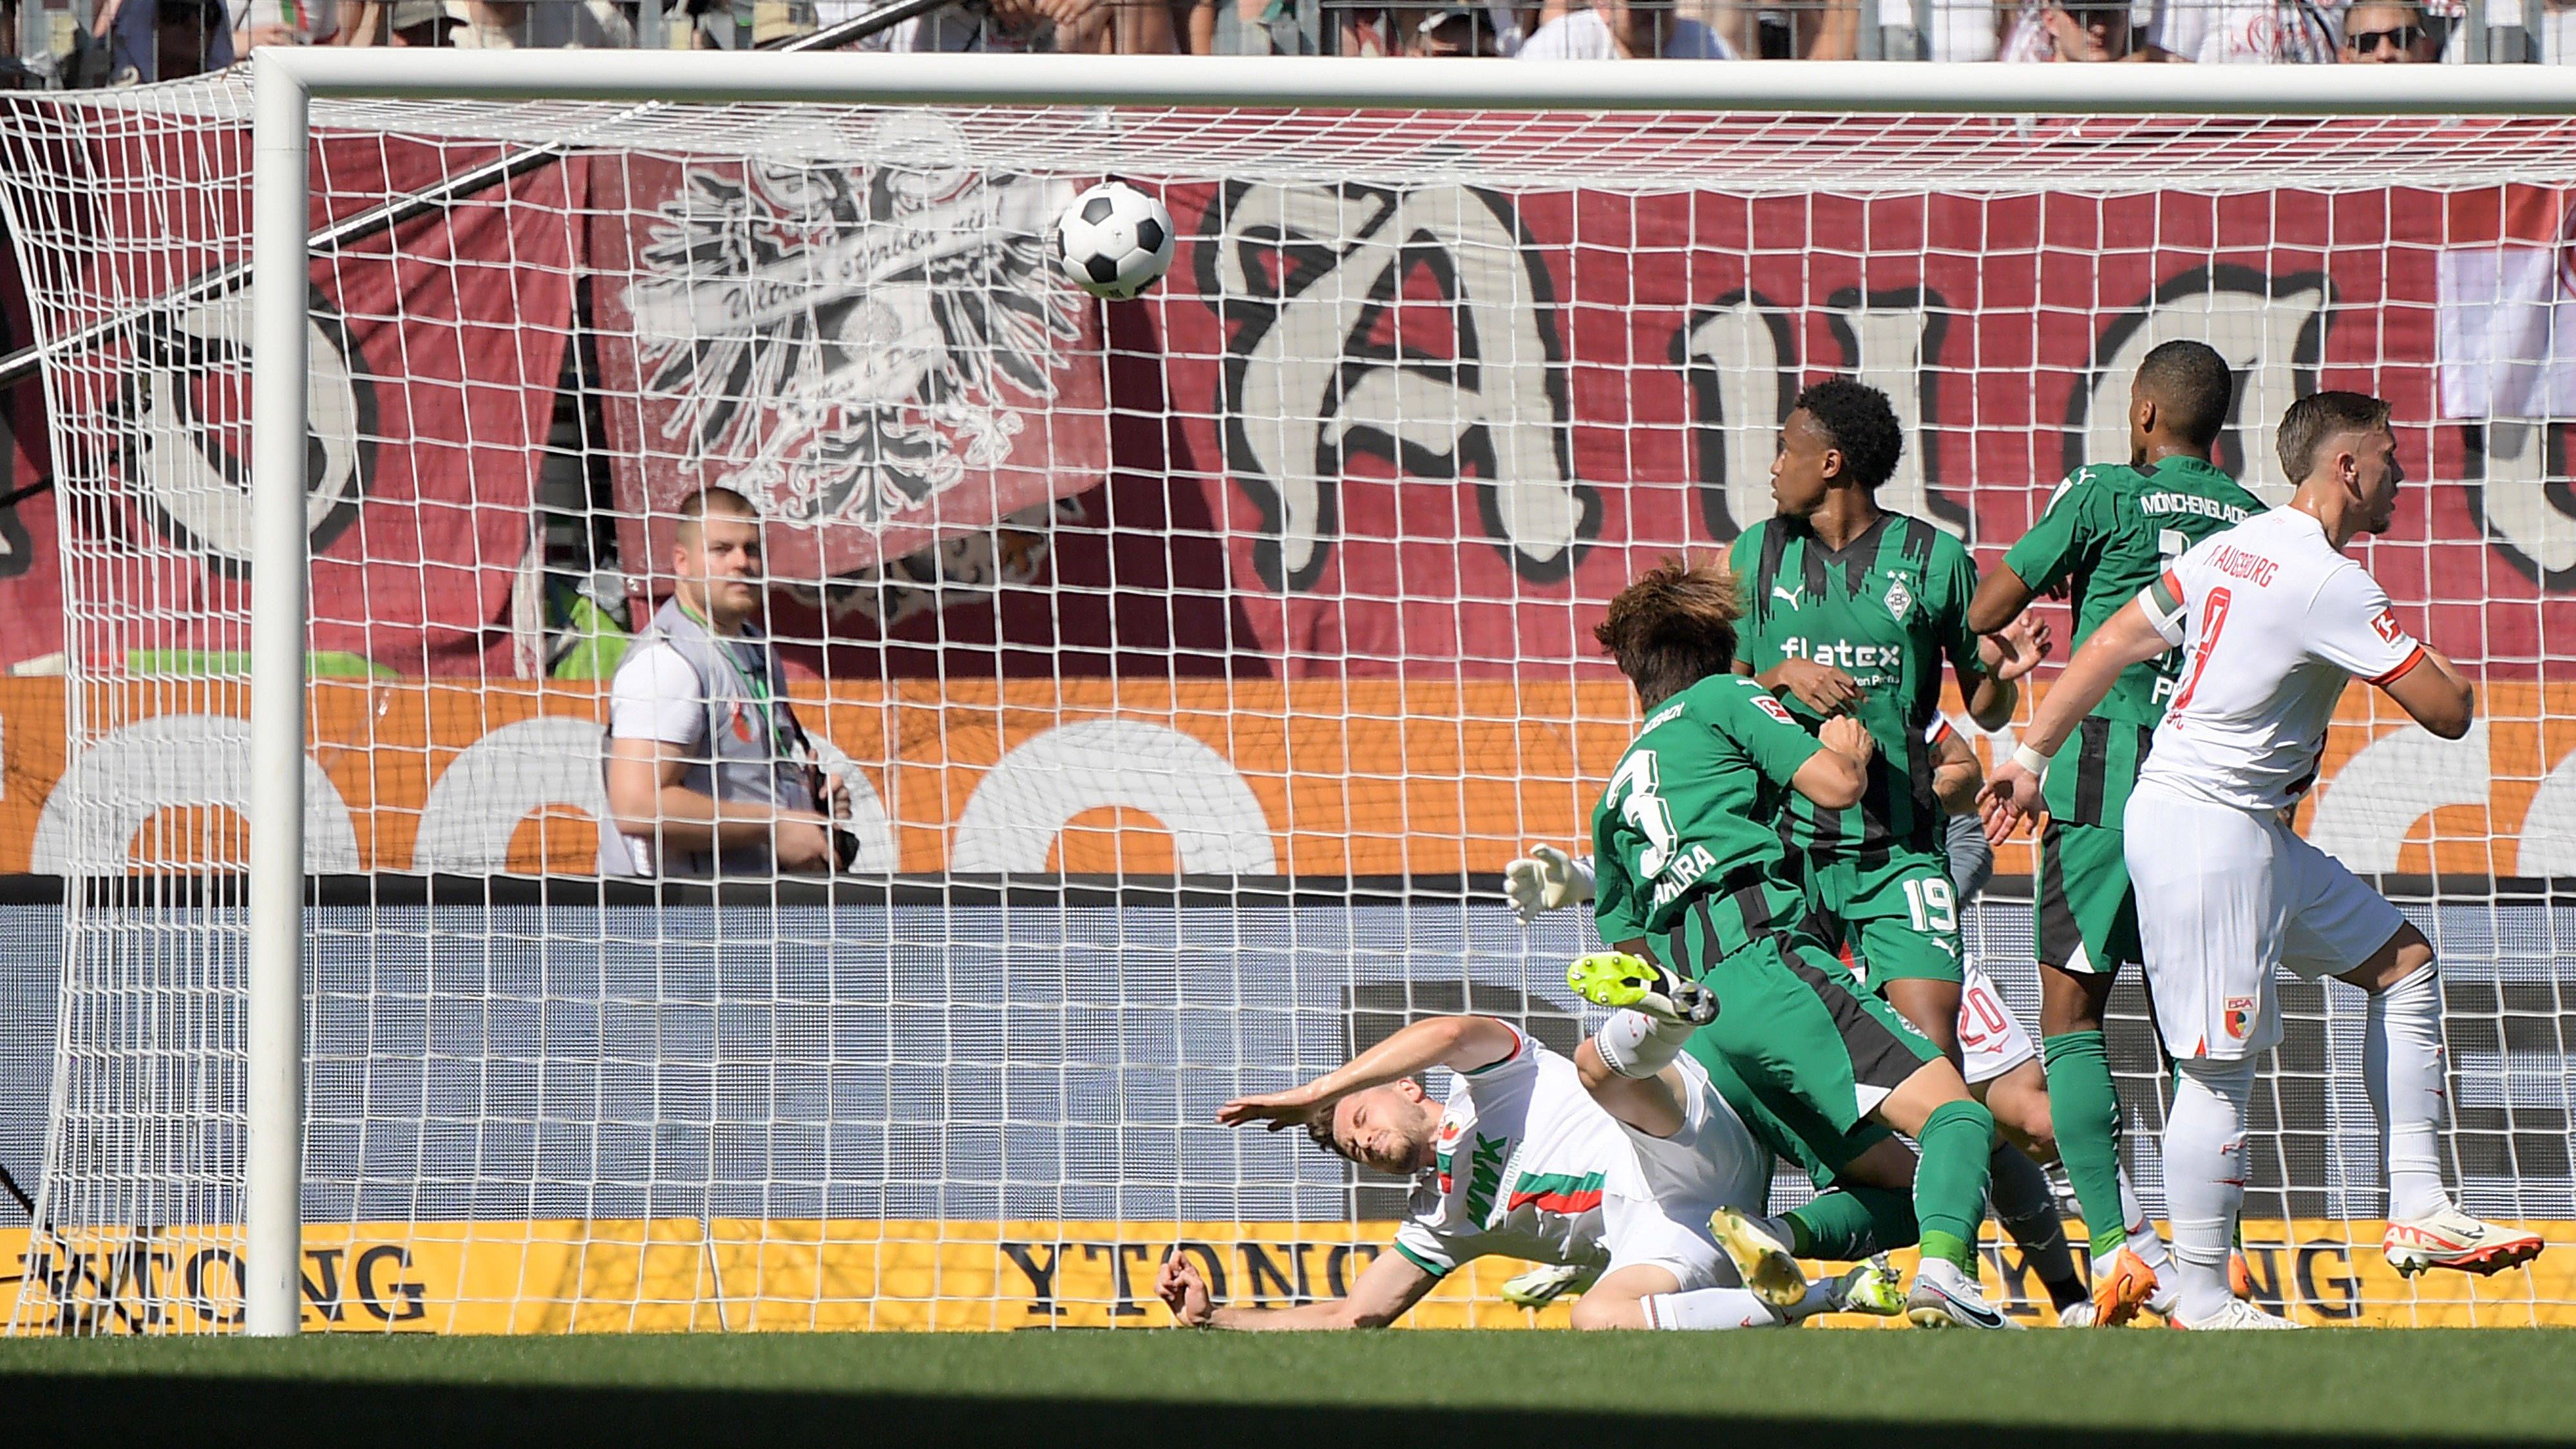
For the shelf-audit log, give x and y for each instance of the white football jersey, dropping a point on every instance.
(1525, 1158)
(2274, 623)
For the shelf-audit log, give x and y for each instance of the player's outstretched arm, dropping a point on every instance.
(1460, 1043)
(1387, 1289)
(2127, 637)
(2000, 598)
(1837, 775)
(2436, 695)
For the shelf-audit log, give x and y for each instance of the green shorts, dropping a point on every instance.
(1813, 1052)
(1819, 1151)
(2086, 918)
(1899, 916)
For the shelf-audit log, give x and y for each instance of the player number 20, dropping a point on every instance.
(1634, 788)
(1930, 901)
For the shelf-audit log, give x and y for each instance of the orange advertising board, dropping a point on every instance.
(1311, 778)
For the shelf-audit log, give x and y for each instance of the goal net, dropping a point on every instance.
(1193, 664)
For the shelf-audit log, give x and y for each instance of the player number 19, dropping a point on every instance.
(1929, 900)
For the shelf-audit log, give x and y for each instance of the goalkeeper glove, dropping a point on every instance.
(1546, 879)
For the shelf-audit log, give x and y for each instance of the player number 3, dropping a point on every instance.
(1634, 788)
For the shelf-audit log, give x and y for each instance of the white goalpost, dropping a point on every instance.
(1174, 783)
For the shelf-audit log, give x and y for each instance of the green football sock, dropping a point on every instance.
(1848, 1224)
(2085, 1106)
(1950, 1181)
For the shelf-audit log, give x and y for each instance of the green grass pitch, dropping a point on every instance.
(1331, 1391)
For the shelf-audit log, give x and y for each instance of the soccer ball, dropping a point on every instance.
(1114, 241)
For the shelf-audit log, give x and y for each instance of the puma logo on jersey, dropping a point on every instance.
(1786, 596)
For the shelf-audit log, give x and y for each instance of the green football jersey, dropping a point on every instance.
(2109, 530)
(1692, 804)
(1886, 610)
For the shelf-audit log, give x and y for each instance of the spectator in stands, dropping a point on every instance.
(2084, 32)
(1073, 27)
(1624, 30)
(149, 40)
(708, 770)
(396, 23)
(525, 25)
(2253, 32)
(2389, 32)
(282, 22)
(1452, 31)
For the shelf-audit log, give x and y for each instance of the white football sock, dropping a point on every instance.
(2403, 1065)
(2204, 1147)
(1703, 1309)
(2143, 1240)
(1636, 1045)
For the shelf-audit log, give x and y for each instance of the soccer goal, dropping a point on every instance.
(1193, 664)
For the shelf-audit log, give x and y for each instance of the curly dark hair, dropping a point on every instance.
(1862, 426)
(2192, 383)
(1672, 627)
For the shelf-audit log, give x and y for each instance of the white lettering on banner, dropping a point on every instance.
(2366, 809)
(2516, 464)
(1742, 363)
(187, 411)
(1012, 820)
(520, 769)
(1739, 359)
(2270, 329)
(1309, 382)
(844, 342)
(172, 761)
(2548, 834)
(1892, 338)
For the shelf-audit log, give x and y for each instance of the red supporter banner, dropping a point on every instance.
(1406, 431)
(434, 354)
(883, 356)
(1442, 425)
(31, 580)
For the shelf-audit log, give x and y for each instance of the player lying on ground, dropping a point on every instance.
(1695, 891)
(1529, 1166)
(2109, 530)
(2000, 1063)
(1849, 610)
(2273, 620)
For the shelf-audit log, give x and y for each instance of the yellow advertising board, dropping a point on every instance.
(750, 1275)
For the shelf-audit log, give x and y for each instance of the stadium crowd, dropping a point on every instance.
(118, 42)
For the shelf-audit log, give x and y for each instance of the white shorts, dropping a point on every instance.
(1991, 1039)
(1710, 1163)
(2224, 895)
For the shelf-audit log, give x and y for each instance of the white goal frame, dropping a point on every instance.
(286, 80)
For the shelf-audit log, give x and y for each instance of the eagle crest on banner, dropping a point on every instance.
(844, 343)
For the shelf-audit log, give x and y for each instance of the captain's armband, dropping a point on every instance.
(2163, 603)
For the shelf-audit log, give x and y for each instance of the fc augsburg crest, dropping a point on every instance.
(1899, 597)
